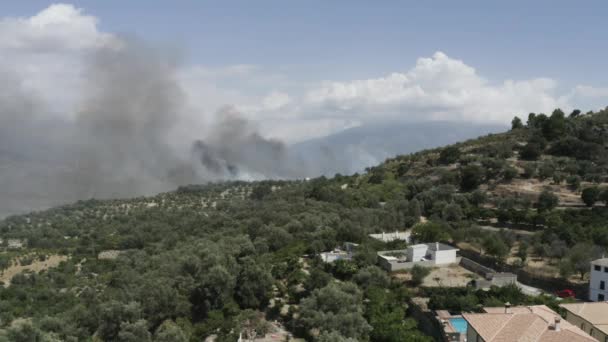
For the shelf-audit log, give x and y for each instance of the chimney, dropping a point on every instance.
(507, 307)
(557, 321)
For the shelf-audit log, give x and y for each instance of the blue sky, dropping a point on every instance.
(309, 68)
(344, 40)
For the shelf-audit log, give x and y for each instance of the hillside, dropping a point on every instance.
(229, 258)
(356, 148)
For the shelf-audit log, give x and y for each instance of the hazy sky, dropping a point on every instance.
(307, 69)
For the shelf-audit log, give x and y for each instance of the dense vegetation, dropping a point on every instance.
(225, 259)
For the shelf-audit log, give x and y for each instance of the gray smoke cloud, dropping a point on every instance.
(235, 148)
(119, 143)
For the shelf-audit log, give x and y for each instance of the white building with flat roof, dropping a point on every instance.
(598, 280)
(424, 254)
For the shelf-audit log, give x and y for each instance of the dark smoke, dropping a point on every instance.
(119, 143)
(236, 149)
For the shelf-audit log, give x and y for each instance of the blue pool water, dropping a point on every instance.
(460, 324)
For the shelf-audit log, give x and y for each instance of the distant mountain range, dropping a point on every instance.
(356, 148)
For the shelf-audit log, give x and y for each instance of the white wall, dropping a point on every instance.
(444, 257)
(416, 252)
(594, 283)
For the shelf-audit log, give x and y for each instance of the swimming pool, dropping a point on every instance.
(460, 324)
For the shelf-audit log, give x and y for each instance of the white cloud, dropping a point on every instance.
(436, 88)
(58, 28)
(47, 52)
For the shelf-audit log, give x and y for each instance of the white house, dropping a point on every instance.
(339, 254)
(442, 254)
(598, 281)
(416, 252)
(426, 254)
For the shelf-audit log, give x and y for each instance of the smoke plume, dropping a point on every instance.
(119, 143)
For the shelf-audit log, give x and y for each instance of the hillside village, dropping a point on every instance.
(476, 241)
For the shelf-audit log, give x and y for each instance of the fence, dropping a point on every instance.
(548, 284)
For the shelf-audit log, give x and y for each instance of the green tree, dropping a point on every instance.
(477, 198)
(574, 182)
(334, 336)
(531, 151)
(385, 311)
(516, 123)
(495, 247)
(170, 332)
(449, 155)
(336, 307)
(547, 201)
(546, 170)
(253, 285)
(529, 170)
(317, 279)
(418, 274)
(581, 255)
(24, 331)
(555, 127)
(113, 314)
(575, 113)
(215, 290)
(429, 232)
(452, 212)
(509, 173)
(371, 276)
(134, 332)
(160, 301)
(522, 251)
(261, 190)
(471, 176)
(590, 195)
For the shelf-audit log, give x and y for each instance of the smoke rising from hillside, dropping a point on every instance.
(120, 141)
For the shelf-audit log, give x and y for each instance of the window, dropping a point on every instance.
(600, 297)
(606, 269)
(597, 267)
(602, 285)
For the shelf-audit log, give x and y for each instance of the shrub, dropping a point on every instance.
(590, 195)
(449, 155)
(418, 274)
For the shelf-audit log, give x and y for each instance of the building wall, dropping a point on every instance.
(472, 335)
(475, 267)
(585, 326)
(595, 279)
(416, 252)
(444, 257)
(399, 266)
(504, 279)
